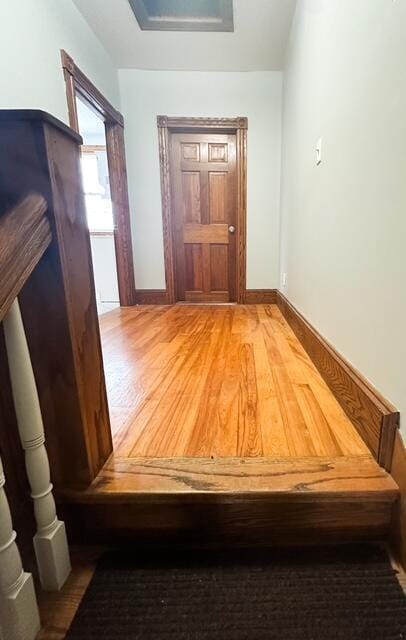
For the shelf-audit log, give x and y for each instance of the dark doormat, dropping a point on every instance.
(346, 593)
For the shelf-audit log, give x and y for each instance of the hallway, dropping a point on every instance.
(203, 312)
(217, 381)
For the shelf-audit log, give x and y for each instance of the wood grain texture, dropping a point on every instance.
(78, 84)
(375, 418)
(218, 381)
(168, 480)
(163, 139)
(204, 200)
(87, 89)
(225, 435)
(241, 240)
(230, 525)
(167, 127)
(121, 212)
(198, 233)
(202, 123)
(76, 262)
(260, 296)
(25, 234)
(399, 515)
(68, 67)
(236, 502)
(151, 296)
(58, 300)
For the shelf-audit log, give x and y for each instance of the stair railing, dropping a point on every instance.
(25, 234)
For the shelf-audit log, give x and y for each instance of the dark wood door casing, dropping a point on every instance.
(204, 201)
(77, 84)
(235, 128)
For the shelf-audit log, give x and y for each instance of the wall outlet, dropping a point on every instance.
(318, 150)
(284, 279)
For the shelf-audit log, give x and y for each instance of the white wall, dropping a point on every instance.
(32, 32)
(343, 233)
(257, 95)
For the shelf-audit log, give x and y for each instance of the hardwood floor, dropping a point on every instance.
(217, 381)
(225, 436)
(148, 480)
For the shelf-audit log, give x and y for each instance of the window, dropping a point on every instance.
(97, 189)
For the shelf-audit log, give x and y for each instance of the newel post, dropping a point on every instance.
(50, 542)
(19, 614)
(40, 154)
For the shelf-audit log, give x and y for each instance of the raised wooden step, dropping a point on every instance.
(235, 501)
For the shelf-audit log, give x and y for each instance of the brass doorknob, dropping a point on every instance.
(231, 229)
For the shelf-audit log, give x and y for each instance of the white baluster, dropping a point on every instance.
(18, 605)
(50, 543)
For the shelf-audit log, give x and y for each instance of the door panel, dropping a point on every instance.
(191, 196)
(218, 196)
(205, 233)
(218, 152)
(203, 178)
(218, 267)
(193, 267)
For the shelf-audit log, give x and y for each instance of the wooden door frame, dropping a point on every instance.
(238, 126)
(77, 83)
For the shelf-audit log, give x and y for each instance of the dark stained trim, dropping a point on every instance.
(151, 296)
(77, 83)
(375, 419)
(260, 296)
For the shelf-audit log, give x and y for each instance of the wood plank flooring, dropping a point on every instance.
(295, 480)
(217, 381)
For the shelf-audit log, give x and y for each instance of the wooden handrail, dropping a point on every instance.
(25, 234)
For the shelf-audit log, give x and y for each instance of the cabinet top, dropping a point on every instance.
(18, 115)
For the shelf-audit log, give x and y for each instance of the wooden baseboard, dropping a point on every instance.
(151, 296)
(398, 538)
(260, 296)
(376, 419)
(251, 296)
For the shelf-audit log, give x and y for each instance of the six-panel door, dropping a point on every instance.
(204, 197)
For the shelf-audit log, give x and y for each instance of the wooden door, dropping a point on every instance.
(204, 200)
